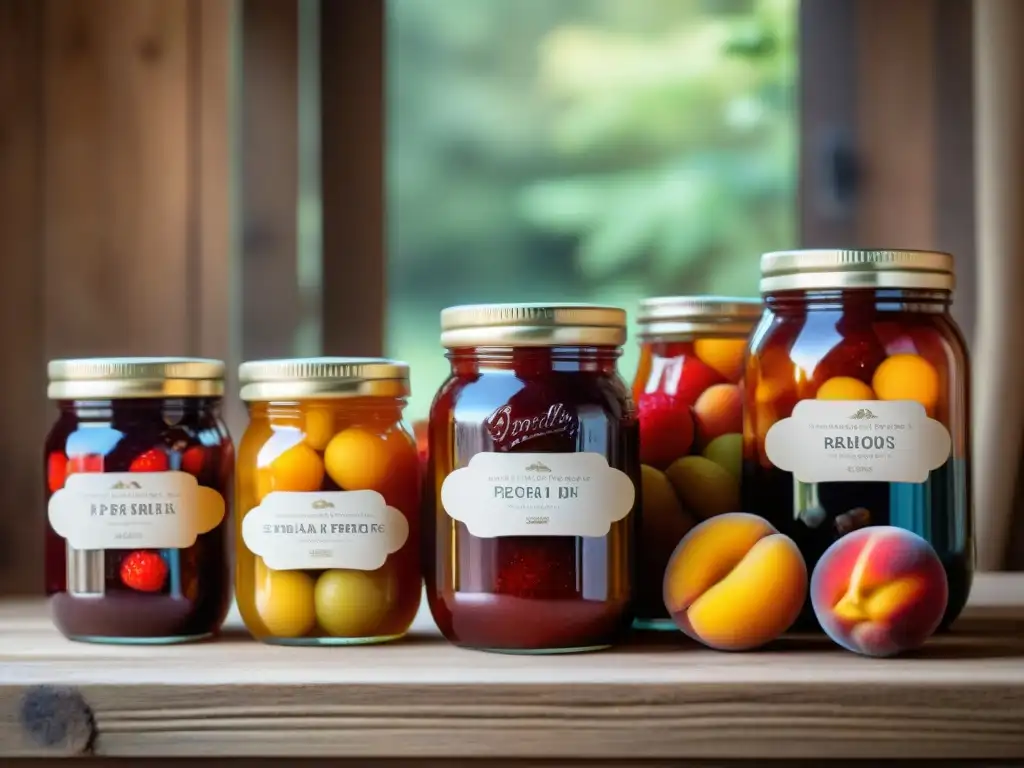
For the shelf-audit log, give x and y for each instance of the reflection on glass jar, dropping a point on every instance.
(856, 405)
(688, 394)
(533, 465)
(139, 467)
(328, 502)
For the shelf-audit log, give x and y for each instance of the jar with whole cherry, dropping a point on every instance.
(533, 470)
(328, 502)
(139, 468)
(689, 400)
(856, 414)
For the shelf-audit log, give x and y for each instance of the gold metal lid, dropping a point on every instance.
(852, 268)
(308, 378)
(532, 325)
(120, 378)
(677, 317)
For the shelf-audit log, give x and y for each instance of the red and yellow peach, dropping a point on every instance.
(735, 583)
(718, 411)
(723, 355)
(879, 591)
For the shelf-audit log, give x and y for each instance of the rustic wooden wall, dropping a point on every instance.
(886, 102)
(114, 215)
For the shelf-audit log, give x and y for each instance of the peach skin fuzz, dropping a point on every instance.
(879, 591)
(735, 583)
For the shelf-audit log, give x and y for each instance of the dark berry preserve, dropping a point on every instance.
(534, 465)
(139, 469)
(856, 408)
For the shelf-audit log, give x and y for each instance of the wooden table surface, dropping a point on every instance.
(658, 698)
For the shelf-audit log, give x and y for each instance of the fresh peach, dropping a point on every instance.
(718, 411)
(704, 487)
(879, 591)
(735, 583)
(907, 377)
(723, 355)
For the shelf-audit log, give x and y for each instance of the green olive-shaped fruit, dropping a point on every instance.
(352, 603)
(727, 452)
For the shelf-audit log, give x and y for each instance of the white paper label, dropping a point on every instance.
(335, 529)
(537, 494)
(134, 510)
(888, 441)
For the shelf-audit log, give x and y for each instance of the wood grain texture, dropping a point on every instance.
(115, 231)
(215, 263)
(117, 165)
(21, 275)
(963, 696)
(997, 403)
(896, 123)
(353, 130)
(269, 132)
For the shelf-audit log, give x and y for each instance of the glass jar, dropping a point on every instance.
(138, 466)
(856, 405)
(328, 502)
(533, 465)
(689, 400)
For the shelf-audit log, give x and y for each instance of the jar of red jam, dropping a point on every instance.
(533, 465)
(139, 469)
(328, 494)
(856, 409)
(689, 400)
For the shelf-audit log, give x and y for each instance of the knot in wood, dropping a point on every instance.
(57, 718)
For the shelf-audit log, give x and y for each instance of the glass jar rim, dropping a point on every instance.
(666, 318)
(856, 268)
(121, 378)
(315, 378)
(547, 324)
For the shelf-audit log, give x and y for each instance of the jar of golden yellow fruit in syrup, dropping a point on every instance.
(327, 500)
(687, 391)
(856, 410)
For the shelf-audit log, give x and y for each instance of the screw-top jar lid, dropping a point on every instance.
(322, 377)
(532, 325)
(118, 378)
(665, 317)
(809, 270)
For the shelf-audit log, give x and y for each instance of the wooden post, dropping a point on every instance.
(998, 403)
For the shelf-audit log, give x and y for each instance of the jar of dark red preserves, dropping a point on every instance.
(533, 462)
(139, 471)
(688, 393)
(856, 411)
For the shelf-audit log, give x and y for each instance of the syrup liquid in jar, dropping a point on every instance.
(856, 405)
(139, 467)
(328, 502)
(688, 391)
(533, 470)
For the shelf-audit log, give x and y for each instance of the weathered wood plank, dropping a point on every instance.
(23, 415)
(353, 135)
(963, 696)
(117, 177)
(269, 132)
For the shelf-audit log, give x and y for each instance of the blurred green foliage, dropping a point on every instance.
(587, 150)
